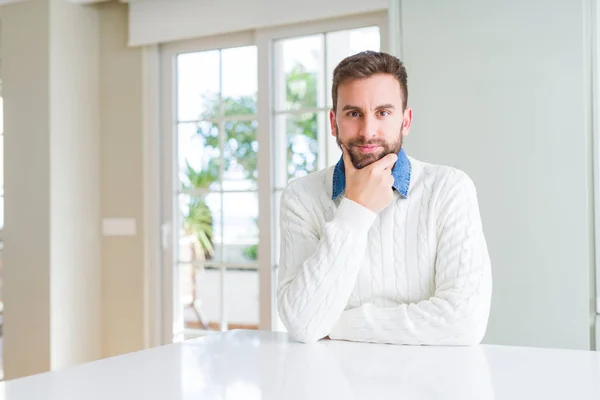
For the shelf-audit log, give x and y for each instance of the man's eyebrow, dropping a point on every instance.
(349, 107)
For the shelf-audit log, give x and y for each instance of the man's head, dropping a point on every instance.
(370, 115)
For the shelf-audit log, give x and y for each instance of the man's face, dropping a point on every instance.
(369, 120)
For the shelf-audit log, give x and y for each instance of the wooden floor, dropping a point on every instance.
(215, 326)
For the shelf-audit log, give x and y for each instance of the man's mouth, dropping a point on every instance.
(368, 148)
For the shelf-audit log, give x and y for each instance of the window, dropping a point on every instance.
(214, 198)
(242, 115)
(217, 148)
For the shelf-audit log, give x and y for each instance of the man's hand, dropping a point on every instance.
(371, 186)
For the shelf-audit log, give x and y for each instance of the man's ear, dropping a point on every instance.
(332, 122)
(407, 118)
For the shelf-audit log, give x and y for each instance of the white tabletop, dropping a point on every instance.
(266, 365)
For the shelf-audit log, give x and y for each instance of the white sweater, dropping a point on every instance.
(416, 273)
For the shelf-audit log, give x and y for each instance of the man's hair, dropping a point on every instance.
(366, 64)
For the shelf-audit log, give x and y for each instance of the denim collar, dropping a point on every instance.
(401, 173)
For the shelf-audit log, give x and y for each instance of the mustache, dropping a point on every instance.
(372, 142)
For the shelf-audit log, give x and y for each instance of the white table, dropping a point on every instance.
(266, 365)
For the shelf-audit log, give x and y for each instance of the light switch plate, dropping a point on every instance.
(118, 227)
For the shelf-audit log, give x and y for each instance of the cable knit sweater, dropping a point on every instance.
(416, 273)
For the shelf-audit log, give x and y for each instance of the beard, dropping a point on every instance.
(361, 160)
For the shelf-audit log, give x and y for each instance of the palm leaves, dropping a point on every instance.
(199, 220)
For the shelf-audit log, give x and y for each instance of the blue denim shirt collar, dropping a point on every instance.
(401, 173)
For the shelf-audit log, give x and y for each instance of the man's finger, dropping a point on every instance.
(386, 162)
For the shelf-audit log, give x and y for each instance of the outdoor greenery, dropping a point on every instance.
(241, 147)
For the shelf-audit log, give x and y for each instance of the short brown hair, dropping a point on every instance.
(366, 64)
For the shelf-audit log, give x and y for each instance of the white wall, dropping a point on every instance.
(75, 174)
(161, 21)
(51, 113)
(26, 254)
(121, 184)
(76, 93)
(501, 89)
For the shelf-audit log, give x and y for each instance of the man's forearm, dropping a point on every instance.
(430, 322)
(318, 276)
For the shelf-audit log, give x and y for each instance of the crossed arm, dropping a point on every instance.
(318, 273)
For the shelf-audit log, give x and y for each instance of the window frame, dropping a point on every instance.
(172, 308)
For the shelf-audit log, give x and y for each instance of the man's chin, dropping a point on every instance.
(364, 160)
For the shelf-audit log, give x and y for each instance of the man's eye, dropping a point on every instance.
(353, 114)
(384, 113)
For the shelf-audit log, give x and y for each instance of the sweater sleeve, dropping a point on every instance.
(457, 314)
(318, 267)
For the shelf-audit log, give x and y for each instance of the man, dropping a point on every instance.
(381, 247)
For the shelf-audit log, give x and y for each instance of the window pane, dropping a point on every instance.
(341, 44)
(299, 73)
(240, 228)
(301, 133)
(200, 228)
(203, 300)
(199, 155)
(198, 79)
(240, 80)
(216, 154)
(241, 150)
(242, 298)
(201, 295)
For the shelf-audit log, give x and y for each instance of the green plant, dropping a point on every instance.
(251, 252)
(199, 223)
(199, 220)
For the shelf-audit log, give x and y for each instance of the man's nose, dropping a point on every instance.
(369, 127)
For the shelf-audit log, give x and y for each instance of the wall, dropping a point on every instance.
(121, 183)
(162, 21)
(71, 295)
(75, 173)
(501, 90)
(50, 259)
(26, 253)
